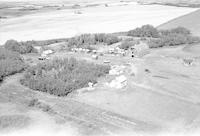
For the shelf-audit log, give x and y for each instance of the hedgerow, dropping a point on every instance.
(62, 76)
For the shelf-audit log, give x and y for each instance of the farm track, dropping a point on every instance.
(89, 118)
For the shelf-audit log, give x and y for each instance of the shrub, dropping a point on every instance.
(10, 63)
(60, 77)
(144, 31)
(23, 47)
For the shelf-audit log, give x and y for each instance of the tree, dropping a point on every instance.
(21, 47)
(144, 31)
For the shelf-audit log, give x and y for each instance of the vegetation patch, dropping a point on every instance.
(178, 30)
(173, 37)
(44, 107)
(46, 42)
(62, 76)
(92, 39)
(144, 31)
(10, 63)
(20, 47)
(128, 43)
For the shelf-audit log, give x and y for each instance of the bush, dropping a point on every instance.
(22, 48)
(60, 77)
(10, 63)
(144, 31)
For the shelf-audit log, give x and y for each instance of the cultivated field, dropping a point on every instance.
(116, 17)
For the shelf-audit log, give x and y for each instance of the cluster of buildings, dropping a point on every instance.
(136, 50)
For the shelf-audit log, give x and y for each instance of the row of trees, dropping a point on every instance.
(10, 63)
(160, 38)
(92, 39)
(173, 37)
(62, 76)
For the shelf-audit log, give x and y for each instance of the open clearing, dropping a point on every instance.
(116, 17)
